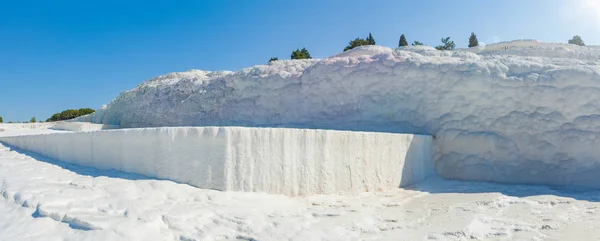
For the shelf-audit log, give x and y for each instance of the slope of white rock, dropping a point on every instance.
(274, 160)
(518, 112)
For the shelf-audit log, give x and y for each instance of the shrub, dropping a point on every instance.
(1, 120)
(32, 120)
(577, 40)
(416, 43)
(301, 54)
(360, 42)
(273, 59)
(447, 44)
(355, 43)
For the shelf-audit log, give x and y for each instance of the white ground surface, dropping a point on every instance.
(46, 200)
(21, 129)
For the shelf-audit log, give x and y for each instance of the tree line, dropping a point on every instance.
(64, 115)
(32, 120)
(447, 44)
(70, 114)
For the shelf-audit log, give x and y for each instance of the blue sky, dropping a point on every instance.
(56, 55)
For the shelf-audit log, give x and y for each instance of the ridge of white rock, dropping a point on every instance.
(518, 112)
(273, 160)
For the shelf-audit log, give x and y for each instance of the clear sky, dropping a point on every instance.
(56, 55)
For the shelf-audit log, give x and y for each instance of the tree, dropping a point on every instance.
(473, 40)
(416, 43)
(447, 44)
(69, 114)
(32, 120)
(370, 40)
(577, 40)
(355, 43)
(1, 120)
(360, 42)
(301, 54)
(402, 41)
(86, 111)
(273, 59)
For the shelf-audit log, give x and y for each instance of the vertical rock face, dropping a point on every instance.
(273, 160)
(519, 112)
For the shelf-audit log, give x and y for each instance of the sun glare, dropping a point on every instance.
(594, 5)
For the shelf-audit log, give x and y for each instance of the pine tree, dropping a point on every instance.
(301, 54)
(402, 41)
(305, 53)
(360, 42)
(577, 40)
(1, 120)
(447, 44)
(355, 43)
(295, 54)
(273, 59)
(32, 120)
(416, 43)
(370, 40)
(473, 40)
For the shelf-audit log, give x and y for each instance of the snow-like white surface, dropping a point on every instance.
(273, 160)
(45, 200)
(18, 129)
(535, 48)
(522, 115)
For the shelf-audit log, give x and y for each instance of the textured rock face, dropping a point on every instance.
(273, 160)
(520, 115)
